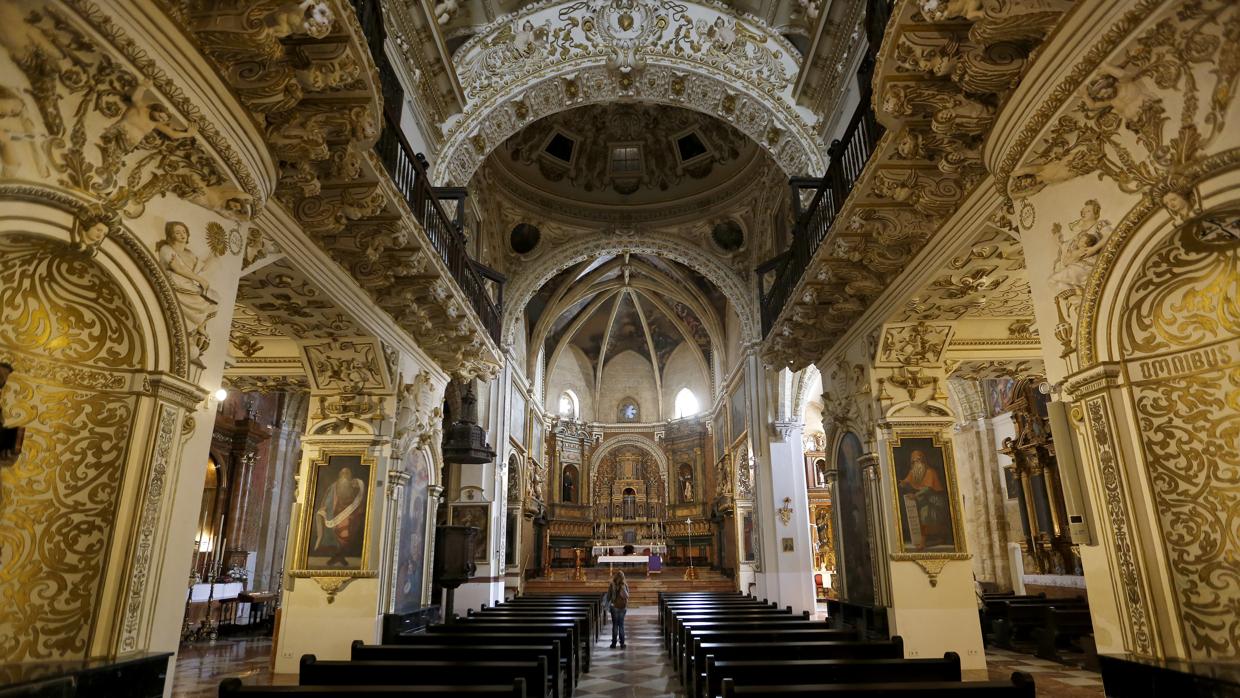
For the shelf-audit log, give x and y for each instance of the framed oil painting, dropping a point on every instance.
(855, 538)
(476, 515)
(411, 539)
(516, 424)
(924, 480)
(737, 408)
(749, 538)
(335, 534)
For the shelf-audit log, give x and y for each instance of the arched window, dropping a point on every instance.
(569, 407)
(686, 403)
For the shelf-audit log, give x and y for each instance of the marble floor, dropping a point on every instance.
(639, 670)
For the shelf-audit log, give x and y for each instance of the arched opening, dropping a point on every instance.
(630, 503)
(570, 406)
(686, 404)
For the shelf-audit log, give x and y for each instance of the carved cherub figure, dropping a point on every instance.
(313, 18)
(1086, 237)
(144, 115)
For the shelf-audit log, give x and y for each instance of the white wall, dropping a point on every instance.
(572, 371)
(684, 370)
(628, 375)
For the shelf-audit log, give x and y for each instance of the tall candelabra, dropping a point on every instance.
(691, 573)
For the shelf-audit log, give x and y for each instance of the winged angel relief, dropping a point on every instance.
(516, 47)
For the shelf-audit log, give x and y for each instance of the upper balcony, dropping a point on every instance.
(321, 86)
(909, 158)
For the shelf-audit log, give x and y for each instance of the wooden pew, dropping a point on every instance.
(870, 621)
(1016, 620)
(765, 672)
(316, 672)
(683, 638)
(692, 660)
(561, 680)
(559, 640)
(1061, 624)
(667, 618)
(675, 633)
(731, 651)
(1019, 686)
(583, 616)
(578, 646)
(233, 687)
(596, 599)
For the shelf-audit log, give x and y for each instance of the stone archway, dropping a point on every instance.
(548, 58)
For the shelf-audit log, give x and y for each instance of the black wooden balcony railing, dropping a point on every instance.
(408, 171)
(848, 155)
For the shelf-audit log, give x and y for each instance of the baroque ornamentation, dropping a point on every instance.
(944, 71)
(100, 126)
(56, 521)
(419, 417)
(1188, 402)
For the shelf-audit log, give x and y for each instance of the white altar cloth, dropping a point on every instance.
(656, 549)
(622, 559)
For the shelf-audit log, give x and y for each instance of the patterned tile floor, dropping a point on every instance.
(1050, 678)
(640, 670)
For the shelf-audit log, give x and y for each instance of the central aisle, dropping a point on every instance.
(640, 670)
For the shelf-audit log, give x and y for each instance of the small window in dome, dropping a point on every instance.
(690, 146)
(560, 147)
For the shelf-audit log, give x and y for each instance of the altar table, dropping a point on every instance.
(623, 559)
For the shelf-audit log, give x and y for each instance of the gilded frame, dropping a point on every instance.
(943, 446)
(301, 562)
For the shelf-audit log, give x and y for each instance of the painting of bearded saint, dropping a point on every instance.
(337, 537)
(923, 496)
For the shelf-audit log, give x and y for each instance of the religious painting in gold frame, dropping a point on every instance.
(925, 494)
(335, 524)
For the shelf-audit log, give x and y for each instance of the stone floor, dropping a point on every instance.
(639, 670)
(1050, 678)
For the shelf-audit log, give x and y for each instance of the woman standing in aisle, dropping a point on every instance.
(618, 602)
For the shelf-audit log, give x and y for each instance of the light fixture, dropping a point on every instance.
(220, 394)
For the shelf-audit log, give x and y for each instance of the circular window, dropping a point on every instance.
(728, 236)
(524, 238)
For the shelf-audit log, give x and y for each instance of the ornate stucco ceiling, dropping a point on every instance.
(990, 281)
(625, 155)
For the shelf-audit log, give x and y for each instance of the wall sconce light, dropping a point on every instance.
(785, 512)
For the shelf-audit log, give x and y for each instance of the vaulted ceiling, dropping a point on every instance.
(616, 304)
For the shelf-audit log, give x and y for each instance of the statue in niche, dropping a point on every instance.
(185, 273)
(569, 488)
(685, 476)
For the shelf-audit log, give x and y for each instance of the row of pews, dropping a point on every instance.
(531, 647)
(731, 645)
(1015, 622)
